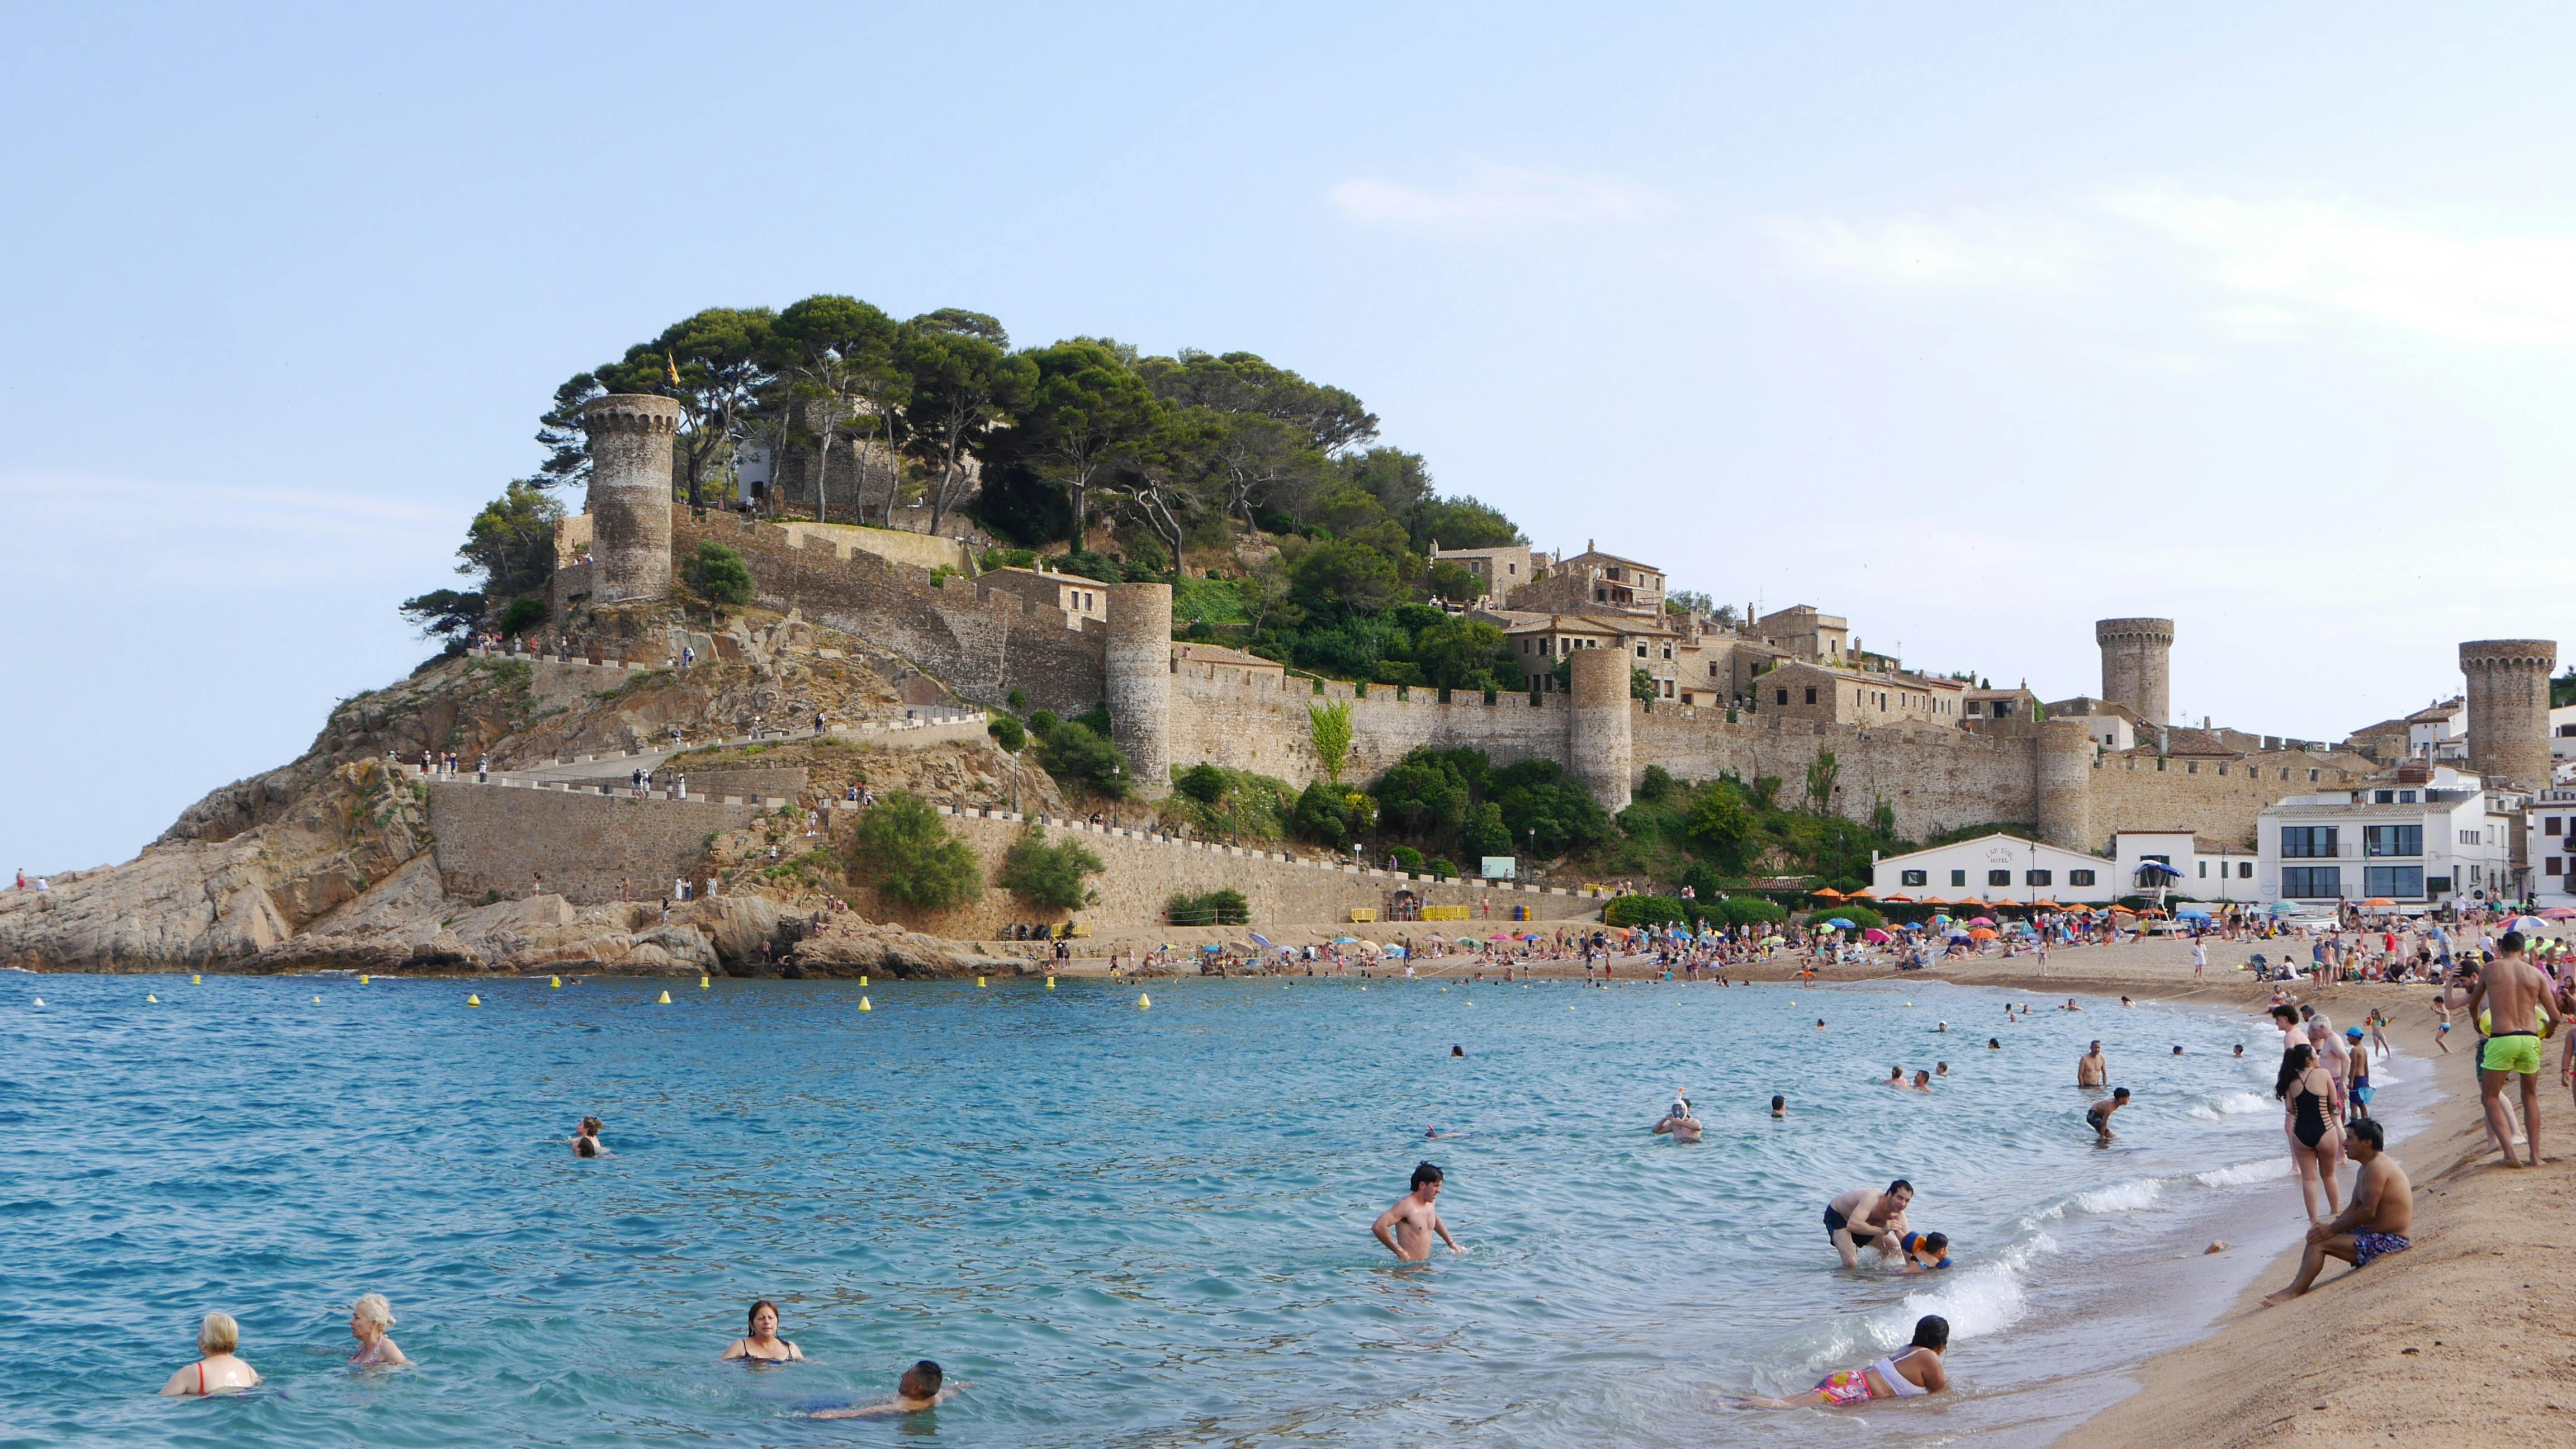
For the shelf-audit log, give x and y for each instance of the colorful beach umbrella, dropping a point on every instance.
(1982, 934)
(1876, 936)
(1839, 924)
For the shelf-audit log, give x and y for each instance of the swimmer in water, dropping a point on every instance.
(1895, 1077)
(1920, 1252)
(761, 1343)
(1779, 1109)
(2240, 1049)
(1940, 1069)
(218, 1369)
(2069, 1006)
(1922, 1081)
(585, 1139)
(1820, 1023)
(920, 1388)
(1993, 1045)
(1408, 1227)
(1940, 1026)
(1910, 1374)
(2098, 1116)
(1863, 1216)
(1678, 1122)
(369, 1317)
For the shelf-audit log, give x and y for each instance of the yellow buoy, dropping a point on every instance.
(1143, 1001)
(196, 980)
(665, 1001)
(317, 1001)
(979, 983)
(40, 1001)
(554, 982)
(702, 983)
(471, 1000)
(863, 1004)
(1050, 983)
(863, 981)
(362, 981)
(154, 1000)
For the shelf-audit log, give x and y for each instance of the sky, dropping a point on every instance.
(1971, 323)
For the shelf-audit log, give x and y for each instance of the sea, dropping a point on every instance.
(1120, 1223)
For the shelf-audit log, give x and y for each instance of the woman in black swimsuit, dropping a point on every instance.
(2316, 1137)
(762, 1344)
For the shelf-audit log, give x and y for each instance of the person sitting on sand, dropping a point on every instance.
(1408, 1227)
(2382, 1212)
(1866, 1215)
(920, 1388)
(369, 1317)
(1909, 1374)
(2098, 1116)
(762, 1343)
(217, 1370)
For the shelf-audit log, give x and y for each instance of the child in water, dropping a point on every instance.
(919, 1389)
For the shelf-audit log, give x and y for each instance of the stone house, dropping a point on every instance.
(1215, 661)
(1079, 598)
(1500, 570)
(1593, 582)
(1806, 632)
(1539, 641)
(2018, 703)
(1799, 690)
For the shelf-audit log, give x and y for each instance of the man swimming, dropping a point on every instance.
(920, 1388)
(1678, 1122)
(1779, 1108)
(1408, 1227)
(2098, 1116)
(1909, 1374)
(1866, 1215)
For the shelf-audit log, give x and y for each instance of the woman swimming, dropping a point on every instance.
(369, 1317)
(1909, 1374)
(762, 1344)
(217, 1369)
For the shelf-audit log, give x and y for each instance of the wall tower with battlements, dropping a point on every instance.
(2509, 708)
(1138, 682)
(630, 495)
(2137, 667)
(1599, 742)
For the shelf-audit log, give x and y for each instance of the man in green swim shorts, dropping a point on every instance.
(2511, 991)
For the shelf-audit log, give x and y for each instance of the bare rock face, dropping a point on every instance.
(847, 946)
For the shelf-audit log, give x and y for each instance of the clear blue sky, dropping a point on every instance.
(1971, 323)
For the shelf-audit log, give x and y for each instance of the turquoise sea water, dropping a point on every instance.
(1124, 1227)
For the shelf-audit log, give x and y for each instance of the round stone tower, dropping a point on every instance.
(2062, 784)
(1597, 731)
(2509, 708)
(630, 495)
(2136, 666)
(1140, 683)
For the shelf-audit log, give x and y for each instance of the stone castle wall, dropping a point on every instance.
(493, 838)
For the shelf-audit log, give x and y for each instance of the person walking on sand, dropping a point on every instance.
(2512, 992)
(1408, 1227)
(2382, 1213)
(2092, 1069)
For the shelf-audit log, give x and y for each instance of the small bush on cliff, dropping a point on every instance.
(1047, 875)
(1203, 783)
(523, 615)
(1213, 908)
(1007, 733)
(1076, 755)
(718, 575)
(901, 848)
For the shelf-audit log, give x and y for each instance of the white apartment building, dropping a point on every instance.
(1995, 868)
(2418, 835)
(2549, 846)
(2562, 738)
(2202, 869)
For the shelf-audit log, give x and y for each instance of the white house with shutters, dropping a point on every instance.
(2549, 846)
(2416, 836)
(1998, 868)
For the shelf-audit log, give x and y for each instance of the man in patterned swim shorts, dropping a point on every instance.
(2383, 1208)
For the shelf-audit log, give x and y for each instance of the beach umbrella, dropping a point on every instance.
(1862, 894)
(1876, 936)
(2559, 913)
(1265, 942)
(2379, 901)
(1929, 901)
(1896, 900)
(1840, 923)
(1982, 934)
(1970, 901)
(2196, 913)
(1396, 951)
(1371, 946)
(1500, 936)
(2281, 908)
(1465, 941)
(1981, 921)
(1212, 948)
(2046, 906)
(1345, 940)
(1826, 893)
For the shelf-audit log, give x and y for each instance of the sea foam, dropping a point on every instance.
(2260, 1170)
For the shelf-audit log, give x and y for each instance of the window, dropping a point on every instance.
(2437, 885)
(1668, 651)
(1958, 878)
(2553, 866)
(2393, 880)
(1914, 877)
(2312, 882)
(2191, 767)
(2392, 840)
(1811, 697)
(1999, 877)
(1784, 695)
(2079, 877)
(1641, 651)
(2312, 777)
(2307, 842)
(2405, 797)
(2383, 797)
(2204, 870)
(2244, 870)
(2549, 826)
(2469, 837)
(2040, 877)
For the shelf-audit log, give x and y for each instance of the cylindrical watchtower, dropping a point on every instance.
(1597, 730)
(2137, 666)
(2509, 708)
(2062, 784)
(1139, 683)
(630, 495)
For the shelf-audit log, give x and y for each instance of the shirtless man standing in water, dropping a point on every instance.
(2512, 992)
(1408, 1227)
(1866, 1215)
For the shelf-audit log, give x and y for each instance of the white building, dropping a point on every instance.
(2562, 739)
(2549, 846)
(2438, 733)
(2418, 835)
(1997, 867)
(2201, 869)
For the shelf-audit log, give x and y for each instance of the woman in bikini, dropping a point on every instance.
(1909, 1373)
(216, 1370)
(762, 1344)
(2307, 1091)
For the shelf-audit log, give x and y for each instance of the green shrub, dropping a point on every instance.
(1747, 911)
(1407, 858)
(1043, 723)
(1047, 875)
(1211, 908)
(718, 575)
(1019, 700)
(903, 850)
(1643, 911)
(1442, 870)
(1329, 816)
(1861, 917)
(1076, 755)
(1203, 783)
(523, 615)
(1655, 785)
(1007, 733)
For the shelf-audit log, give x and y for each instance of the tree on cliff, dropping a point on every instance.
(1086, 408)
(963, 380)
(511, 543)
(836, 358)
(713, 364)
(901, 849)
(566, 441)
(1048, 876)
